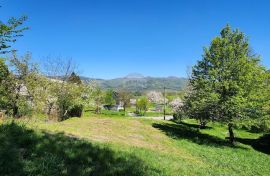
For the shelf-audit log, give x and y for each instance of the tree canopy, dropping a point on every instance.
(227, 83)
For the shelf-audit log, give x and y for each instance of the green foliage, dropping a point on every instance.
(97, 96)
(20, 86)
(109, 113)
(226, 83)
(4, 74)
(9, 32)
(3, 70)
(124, 97)
(76, 110)
(142, 105)
(109, 98)
(179, 116)
(69, 100)
(254, 125)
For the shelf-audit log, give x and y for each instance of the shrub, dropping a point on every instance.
(254, 125)
(76, 111)
(25, 109)
(142, 105)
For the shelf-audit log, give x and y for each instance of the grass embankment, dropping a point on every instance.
(126, 146)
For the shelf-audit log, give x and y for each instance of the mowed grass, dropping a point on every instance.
(131, 146)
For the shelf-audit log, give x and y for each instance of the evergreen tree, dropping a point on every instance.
(73, 78)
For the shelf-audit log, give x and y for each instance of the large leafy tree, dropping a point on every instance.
(64, 95)
(226, 81)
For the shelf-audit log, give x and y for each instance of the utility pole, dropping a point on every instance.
(164, 111)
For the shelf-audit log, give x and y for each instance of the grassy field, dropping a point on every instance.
(126, 146)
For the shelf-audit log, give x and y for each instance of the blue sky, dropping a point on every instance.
(111, 38)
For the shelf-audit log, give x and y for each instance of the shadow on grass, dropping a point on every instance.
(261, 144)
(24, 152)
(193, 125)
(187, 131)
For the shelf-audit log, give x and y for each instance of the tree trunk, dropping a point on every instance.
(97, 110)
(202, 124)
(15, 110)
(231, 134)
(50, 106)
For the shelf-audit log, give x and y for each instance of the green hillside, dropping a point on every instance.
(139, 83)
(95, 145)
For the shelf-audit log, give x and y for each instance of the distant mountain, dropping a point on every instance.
(134, 76)
(135, 82)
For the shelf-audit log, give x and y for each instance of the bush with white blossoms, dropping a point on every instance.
(176, 104)
(156, 97)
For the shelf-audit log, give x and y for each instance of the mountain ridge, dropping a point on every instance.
(136, 82)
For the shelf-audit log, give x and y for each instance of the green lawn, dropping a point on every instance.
(125, 146)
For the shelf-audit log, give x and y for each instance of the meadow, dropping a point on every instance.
(118, 145)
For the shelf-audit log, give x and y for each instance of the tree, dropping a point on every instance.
(20, 85)
(141, 105)
(177, 108)
(155, 97)
(4, 74)
(70, 104)
(176, 104)
(109, 98)
(224, 82)
(98, 98)
(73, 78)
(124, 97)
(10, 31)
(200, 103)
(62, 96)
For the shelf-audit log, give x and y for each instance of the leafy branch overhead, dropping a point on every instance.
(10, 31)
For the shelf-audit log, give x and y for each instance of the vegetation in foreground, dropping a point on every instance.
(229, 85)
(113, 146)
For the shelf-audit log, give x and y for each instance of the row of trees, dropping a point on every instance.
(55, 90)
(229, 84)
(122, 97)
(25, 89)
